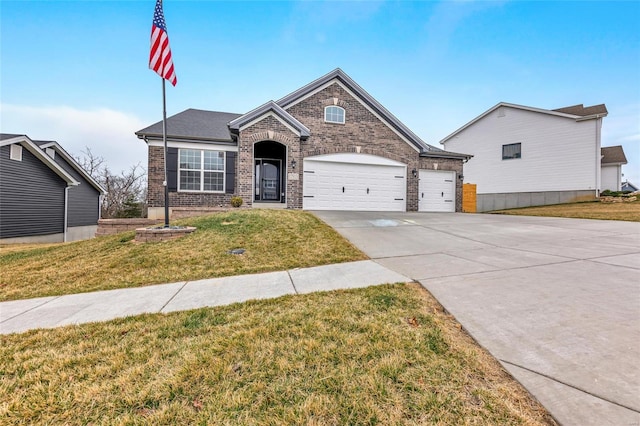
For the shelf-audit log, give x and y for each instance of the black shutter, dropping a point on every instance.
(172, 169)
(230, 174)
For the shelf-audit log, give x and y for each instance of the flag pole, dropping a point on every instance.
(164, 140)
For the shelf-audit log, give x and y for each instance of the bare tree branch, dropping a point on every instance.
(123, 190)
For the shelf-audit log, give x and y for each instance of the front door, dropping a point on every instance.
(267, 175)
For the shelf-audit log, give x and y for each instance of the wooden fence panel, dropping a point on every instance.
(469, 198)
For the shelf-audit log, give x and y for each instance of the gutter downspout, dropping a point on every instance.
(598, 155)
(66, 213)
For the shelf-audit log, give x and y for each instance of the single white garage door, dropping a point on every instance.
(358, 182)
(437, 191)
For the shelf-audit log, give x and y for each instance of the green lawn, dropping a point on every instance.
(273, 239)
(384, 355)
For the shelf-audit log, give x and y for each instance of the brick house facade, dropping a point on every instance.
(268, 152)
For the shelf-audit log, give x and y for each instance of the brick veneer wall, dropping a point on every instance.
(155, 192)
(362, 131)
(116, 226)
(268, 129)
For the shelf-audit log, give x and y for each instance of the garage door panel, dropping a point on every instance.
(349, 186)
(436, 191)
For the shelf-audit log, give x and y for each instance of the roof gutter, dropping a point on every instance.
(591, 117)
(147, 138)
(442, 154)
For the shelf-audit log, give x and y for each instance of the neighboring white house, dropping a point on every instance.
(612, 160)
(524, 156)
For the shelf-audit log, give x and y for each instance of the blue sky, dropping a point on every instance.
(77, 72)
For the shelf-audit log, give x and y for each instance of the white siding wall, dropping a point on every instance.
(558, 154)
(611, 177)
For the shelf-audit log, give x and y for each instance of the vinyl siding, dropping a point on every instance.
(31, 197)
(558, 154)
(611, 177)
(84, 199)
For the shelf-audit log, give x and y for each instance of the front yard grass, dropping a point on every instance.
(585, 210)
(381, 355)
(273, 239)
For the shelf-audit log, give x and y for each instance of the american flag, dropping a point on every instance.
(160, 56)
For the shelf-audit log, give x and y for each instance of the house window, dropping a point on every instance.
(16, 152)
(511, 151)
(334, 114)
(201, 170)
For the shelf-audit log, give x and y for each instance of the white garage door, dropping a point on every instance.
(358, 182)
(437, 191)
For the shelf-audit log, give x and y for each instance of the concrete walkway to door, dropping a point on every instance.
(557, 301)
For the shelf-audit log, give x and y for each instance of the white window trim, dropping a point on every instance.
(16, 152)
(202, 171)
(344, 115)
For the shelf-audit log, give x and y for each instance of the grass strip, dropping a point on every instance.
(274, 240)
(629, 211)
(384, 355)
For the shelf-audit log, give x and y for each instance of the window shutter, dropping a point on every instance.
(230, 172)
(172, 169)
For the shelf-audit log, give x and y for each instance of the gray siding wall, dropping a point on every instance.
(31, 197)
(514, 200)
(84, 199)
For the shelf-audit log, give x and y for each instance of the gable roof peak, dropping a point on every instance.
(270, 106)
(364, 97)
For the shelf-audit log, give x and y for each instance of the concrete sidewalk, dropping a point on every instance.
(56, 311)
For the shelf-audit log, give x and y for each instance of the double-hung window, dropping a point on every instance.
(201, 170)
(512, 150)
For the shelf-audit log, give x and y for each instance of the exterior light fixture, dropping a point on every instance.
(293, 164)
(414, 172)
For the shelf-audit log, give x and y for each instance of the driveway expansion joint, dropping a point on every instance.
(635, 410)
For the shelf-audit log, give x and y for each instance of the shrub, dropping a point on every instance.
(236, 201)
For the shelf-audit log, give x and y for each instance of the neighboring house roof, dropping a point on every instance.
(613, 155)
(270, 106)
(193, 125)
(596, 111)
(582, 111)
(4, 136)
(33, 148)
(628, 186)
(72, 162)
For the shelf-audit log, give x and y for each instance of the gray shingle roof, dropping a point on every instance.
(583, 111)
(194, 124)
(613, 155)
(5, 136)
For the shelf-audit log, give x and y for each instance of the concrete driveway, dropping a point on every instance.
(557, 301)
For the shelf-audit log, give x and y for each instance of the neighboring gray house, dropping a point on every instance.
(45, 196)
(525, 156)
(612, 160)
(628, 186)
(326, 146)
